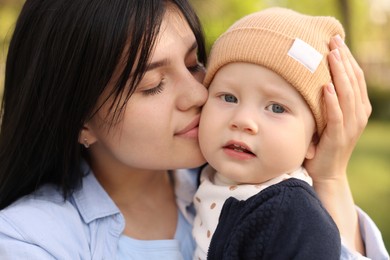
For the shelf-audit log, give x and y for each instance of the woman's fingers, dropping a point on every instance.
(334, 128)
(359, 74)
(343, 79)
(346, 59)
(344, 90)
(356, 79)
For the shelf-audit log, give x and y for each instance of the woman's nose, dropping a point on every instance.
(192, 93)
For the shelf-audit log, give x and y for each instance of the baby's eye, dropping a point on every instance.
(229, 98)
(276, 108)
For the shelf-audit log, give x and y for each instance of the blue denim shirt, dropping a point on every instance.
(88, 224)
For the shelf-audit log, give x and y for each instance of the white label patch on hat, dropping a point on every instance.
(305, 54)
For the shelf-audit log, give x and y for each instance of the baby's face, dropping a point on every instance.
(254, 125)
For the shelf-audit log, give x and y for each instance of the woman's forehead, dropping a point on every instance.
(174, 20)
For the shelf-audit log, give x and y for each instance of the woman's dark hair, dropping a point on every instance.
(61, 57)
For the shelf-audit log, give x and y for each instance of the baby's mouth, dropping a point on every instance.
(238, 148)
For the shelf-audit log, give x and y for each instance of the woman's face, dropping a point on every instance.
(159, 127)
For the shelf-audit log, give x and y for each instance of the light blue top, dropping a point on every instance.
(88, 225)
(181, 247)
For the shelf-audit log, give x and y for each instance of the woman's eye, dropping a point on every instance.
(276, 108)
(154, 91)
(229, 98)
(198, 67)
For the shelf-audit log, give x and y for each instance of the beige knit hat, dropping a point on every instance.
(293, 45)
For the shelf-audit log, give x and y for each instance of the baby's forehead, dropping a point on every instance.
(254, 78)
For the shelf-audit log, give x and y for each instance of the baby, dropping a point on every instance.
(262, 119)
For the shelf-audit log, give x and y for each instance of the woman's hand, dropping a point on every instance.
(348, 109)
(347, 115)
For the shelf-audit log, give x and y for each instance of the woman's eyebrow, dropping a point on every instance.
(193, 47)
(157, 64)
(165, 62)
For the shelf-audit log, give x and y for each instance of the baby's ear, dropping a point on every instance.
(311, 150)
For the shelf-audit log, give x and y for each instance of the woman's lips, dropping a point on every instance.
(191, 130)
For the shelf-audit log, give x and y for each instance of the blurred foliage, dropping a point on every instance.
(369, 175)
(218, 15)
(380, 101)
(8, 14)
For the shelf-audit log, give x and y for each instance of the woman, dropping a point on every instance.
(101, 105)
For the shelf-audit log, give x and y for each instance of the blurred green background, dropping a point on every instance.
(367, 25)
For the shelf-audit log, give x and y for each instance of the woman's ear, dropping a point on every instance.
(87, 136)
(311, 150)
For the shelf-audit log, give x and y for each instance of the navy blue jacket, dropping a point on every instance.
(284, 221)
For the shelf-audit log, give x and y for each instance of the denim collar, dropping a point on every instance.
(91, 199)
